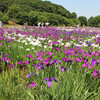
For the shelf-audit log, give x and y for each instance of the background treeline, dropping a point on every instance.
(34, 11)
(94, 21)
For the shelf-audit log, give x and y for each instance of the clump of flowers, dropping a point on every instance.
(49, 81)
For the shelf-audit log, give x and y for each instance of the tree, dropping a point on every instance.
(1, 15)
(42, 18)
(94, 21)
(73, 15)
(52, 18)
(13, 10)
(5, 18)
(22, 17)
(33, 17)
(91, 21)
(76, 21)
(4, 4)
(33, 11)
(83, 20)
(98, 20)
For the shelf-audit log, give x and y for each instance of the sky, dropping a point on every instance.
(85, 8)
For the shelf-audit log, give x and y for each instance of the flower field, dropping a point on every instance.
(49, 63)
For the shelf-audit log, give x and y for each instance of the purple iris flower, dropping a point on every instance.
(52, 62)
(30, 74)
(83, 65)
(11, 65)
(96, 53)
(5, 55)
(99, 76)
(70, 61)
(80, 43)
(38, 66)
(95, 73)
(34, 64)
(19, 62)
(87, 42)
(46, 61)
(4, 58)
(29, 56)
(57, 48)
(49, 53)
(93, 62)
(32, 84)
(78, 59)
(59, 61)
(66, 53)
(64, 59)
(39, 58)
(84, 60)
(8, 60)
(62, 68)
(49, 82)
(26, 62)
(77, 41)
(97, 63)
(0, 44)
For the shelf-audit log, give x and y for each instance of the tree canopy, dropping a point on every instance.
(83, 20)
(34, 11)
(94, 21)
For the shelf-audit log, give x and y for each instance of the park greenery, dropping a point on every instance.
(34, 11)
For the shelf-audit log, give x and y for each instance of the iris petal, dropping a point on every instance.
(49, 83)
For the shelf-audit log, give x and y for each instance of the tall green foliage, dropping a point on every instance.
(33, 5)
(1, 15)
(94, 21)
(13, 10)
(35, 11)
(5, 18)
(83, 20)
